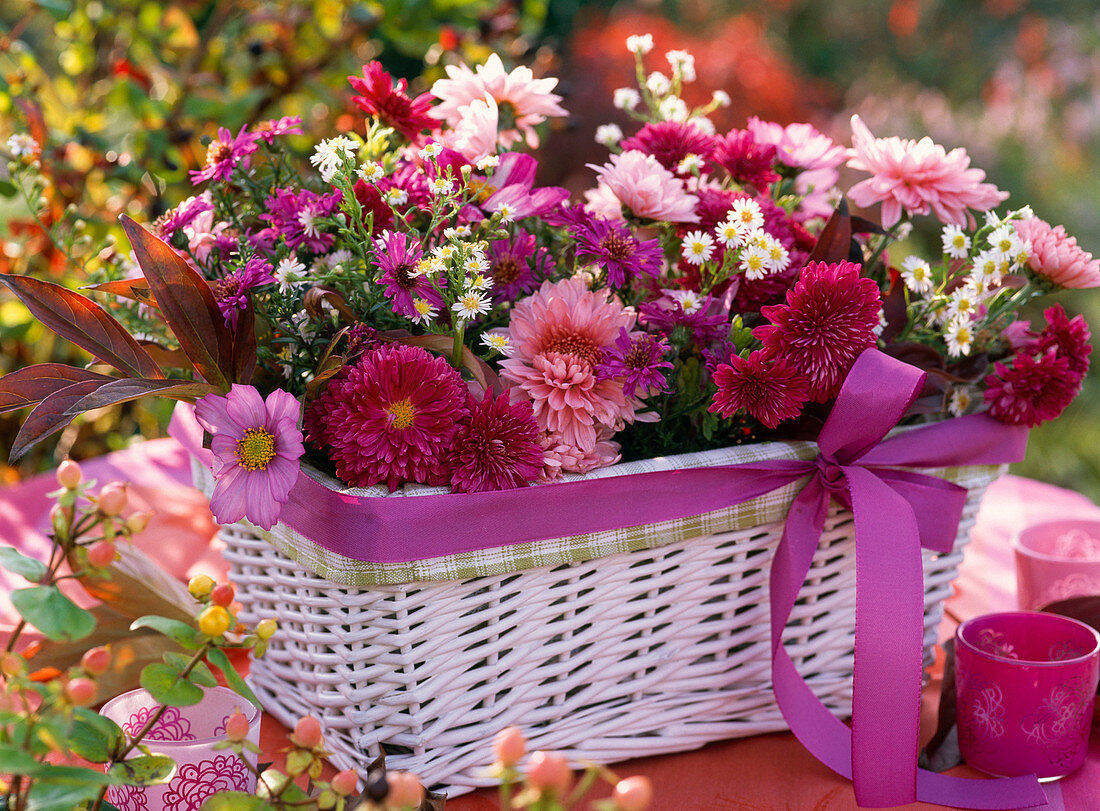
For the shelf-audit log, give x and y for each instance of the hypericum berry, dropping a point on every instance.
(509, 746)
(68, 474)
(549, 771)
(112, 499)
(12, 664)
(345, 783)
(59, 520)
(80, 691)
(405, 790)
(326, 799)
(102, 553)
(95, 661)
(307, 733)
(236, 726)
(200, 585)
(223, 595)
(214, 620)
(138, 522)
(265, 629)
(633, 793)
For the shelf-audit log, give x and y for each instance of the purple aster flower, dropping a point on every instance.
(397, 256)
(231, 291)
(168, 224)
(614, 247)
(294, 215)
(637, 359)
(510, 266)
(268, 131)
(256, 447)
(706, 317)
(224, 154)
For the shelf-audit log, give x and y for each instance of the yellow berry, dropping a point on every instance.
(265, 629)
(214, 621)
(200, 585)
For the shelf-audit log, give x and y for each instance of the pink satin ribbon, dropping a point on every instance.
(896, 512)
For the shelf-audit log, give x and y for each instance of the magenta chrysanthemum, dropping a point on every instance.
(389, 103)
(636, 360)
(390, 417)
(496, 448)
(1032, 390)
(396, 257)
(510, 265)
(256, 447)
(670, 142)
(268, 131)
(295, 216)
(828, 320)
(613, 246)
(1056, 255)
(231, 292)
(226, 153)
(1068, 337)
(746, 160)
(767, 388)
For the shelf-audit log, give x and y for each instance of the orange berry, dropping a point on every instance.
(95, 661)
(223, 595)
(214, 621)
(633, 793)
(307, 733)
(345, 783)
(80, 691)
(236, 726)
(68, 474)
(549, 771)
(509, 746)
(102, 553)
(405, 790)
(112, 499)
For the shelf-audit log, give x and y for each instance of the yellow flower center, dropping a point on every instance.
(402, 413)
(255, 449)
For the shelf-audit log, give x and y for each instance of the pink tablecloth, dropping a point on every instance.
(754, 774)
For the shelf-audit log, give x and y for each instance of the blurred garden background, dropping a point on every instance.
(122, 95)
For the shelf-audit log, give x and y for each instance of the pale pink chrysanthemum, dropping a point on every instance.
(1056, 255)
(919, 177)
(813, 153)
(529, 99)
(560, 457)
(475, 133)
(559, 334)
(648, 189)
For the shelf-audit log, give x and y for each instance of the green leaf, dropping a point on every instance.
(200, 673)
(52, 613)
(60, 9)
(14, 561)
(165, 685)
(145, 770)
(236, 801)
(14, 760)
(63, 788)
(7, 188)
(217, 657)
(93, 736)
(186, 636)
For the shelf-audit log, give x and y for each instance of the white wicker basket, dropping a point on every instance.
(639, 652)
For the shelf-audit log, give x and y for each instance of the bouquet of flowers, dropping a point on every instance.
(416, 309)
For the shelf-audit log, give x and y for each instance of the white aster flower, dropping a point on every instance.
(657, 83)
(778, 257)
(445, 252)
(729, 234)
(626, 98)
(488, 162)
(1024, 213)
(479, 281)
(721, 98)
(640, 43)
(690, 164)
(397, 197)
(672, 109)
(608, 135)
(371, 172)
(959, 337)
(961, 400)
(754, 262)
(956, 244)
(475, 264)
(309, 227)
(703, 124)
(989, 267)
(330, 154)
(1023, 254)
(22, 145)
(683, 63)
(878, 328)
(747, 214)
(963, 304)
(498, 342)
(471, 304)
(425, 312)
(441, 186)
(697, 247)
(430, 151)
(1004, 243)
(505, 211)
(992, 220)
(917, 275)
(286, 272)
(336, 258)
(689, 300)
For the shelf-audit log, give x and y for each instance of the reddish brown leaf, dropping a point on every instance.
(187, 303)
(314, 297)
(167, 358)
(32, 384)
(50, 416)
(244, 346)
(121, 391)
(85, 323)
(134, 289)
(836, 237)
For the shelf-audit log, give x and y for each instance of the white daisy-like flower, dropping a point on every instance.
(697, 247)
(639, 43)
(498, 342)
(337, 258)
(703, 124)
(747, 214)
(1024, 213)
(881, 325)
(445, 252)
(309, 227)
(959, 337)
(626, 98)
(425, 312)
(917, 275)
(329, 155)
(657, 83)
(397, 197)
(487, 163)
(371, 172)
(441, 186)
(430, 151)
(609, 134)
(754, 262)
(1004, 242)
(683, 63)
(956, 244)
(963, 304)
(505, 211)
(689, 300)
(992, 220)
(989, 267)
(302, 323)
(1024, 254)
(778, 257)
(471, 304)
(479, 281)
(286, 272)
(21, 145)
(689, 164)
(475, 264)
(673, 108)
(477, 249)
(730, 234)
(721, 98)
(960, 402)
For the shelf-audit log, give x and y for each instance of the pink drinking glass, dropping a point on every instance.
(1057, 560)
(1025, 688)
(187, 735)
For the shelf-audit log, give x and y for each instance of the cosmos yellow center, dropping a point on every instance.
(402, 413)
(255, 449)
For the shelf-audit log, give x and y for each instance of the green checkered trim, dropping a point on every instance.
(766, 509)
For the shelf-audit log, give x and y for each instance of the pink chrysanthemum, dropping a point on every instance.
(1057, 256)
(645, 187)
(1068, 337)
(828, 320)
(389, 103)
(390, 417)
(560, 457)
(1032, 390)
(767, 388)
(637, 360)
(670, 142)
(295, 216)
(231, 291)
(558, 336)
(815, 155)
(225, 153)
(919, 177)
(268, 131)
(527, 100)
(496, 448)
(746, 160)
(396, 256)
(256, 447)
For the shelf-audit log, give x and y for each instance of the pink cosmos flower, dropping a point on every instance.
(919, 177)
(390, 103)
(769, 389)
(558, 336)
(268, 131)
(231, 291)
(816, 156)
(224, 154)
(256, 447)
(1056, 255)
(645, 187)
(496, 448)
(527, 100)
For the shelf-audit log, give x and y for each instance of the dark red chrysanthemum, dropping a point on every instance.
(497, 448)
(390, 103)
(1069, 337)
(670, 142)
(1032, 390)
(828, 320)
(745, 160)
(767, 388)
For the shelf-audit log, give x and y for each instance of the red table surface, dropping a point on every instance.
(762, 773)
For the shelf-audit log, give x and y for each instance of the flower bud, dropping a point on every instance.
(222, 595)
(200, 585)
(307, 733)
(549, 771)
(214, 621)
(326, 799)
(236, 726)
(59, 520)
(297, 761)
(633, 793)
(112, 499)
(345, 783)
(102, 553)
(265, 629)
(509, 746)
(68, 474)
(12, 664)
(96, 661)
(405, 790)
(138, 522)
(80, 691)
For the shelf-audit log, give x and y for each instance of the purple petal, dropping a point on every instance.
(224, 447)
(542, 200)
(246, 407)
(514, 168)
(281, 405)
(260, 505)
(228, 499)
(211, 413)
(282, 474)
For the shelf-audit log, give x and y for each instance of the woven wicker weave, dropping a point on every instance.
(636, 653)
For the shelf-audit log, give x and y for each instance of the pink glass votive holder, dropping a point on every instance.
(187, 735)
(1025, 687)
(1057, 560)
